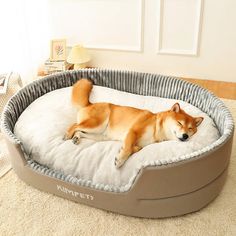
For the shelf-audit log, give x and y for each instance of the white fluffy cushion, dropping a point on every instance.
(42, 126)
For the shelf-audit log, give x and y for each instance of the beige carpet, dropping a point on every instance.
(27, 211)
(5, 164)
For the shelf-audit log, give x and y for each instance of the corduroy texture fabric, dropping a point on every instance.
(128, 81)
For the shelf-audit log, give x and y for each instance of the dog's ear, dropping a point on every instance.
(198, 120)
(175, 107)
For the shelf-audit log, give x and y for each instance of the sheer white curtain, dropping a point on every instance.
(24, 36)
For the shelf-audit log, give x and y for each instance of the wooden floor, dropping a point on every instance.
(219, 88)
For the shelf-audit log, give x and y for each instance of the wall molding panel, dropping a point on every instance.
(114, 25)
(175, 18)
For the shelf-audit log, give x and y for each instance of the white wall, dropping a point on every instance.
(24, 37)
(128, 34)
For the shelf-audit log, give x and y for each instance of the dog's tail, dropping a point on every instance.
(80, 93)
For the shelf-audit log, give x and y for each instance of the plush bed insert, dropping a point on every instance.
(43, 123)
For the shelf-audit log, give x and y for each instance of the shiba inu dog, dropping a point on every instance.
(136, 128)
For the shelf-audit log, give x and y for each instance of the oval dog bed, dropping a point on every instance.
(163, 179)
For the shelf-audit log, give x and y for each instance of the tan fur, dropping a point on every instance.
(135, 127)
(80, 93)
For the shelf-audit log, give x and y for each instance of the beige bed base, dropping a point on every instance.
(163, 191)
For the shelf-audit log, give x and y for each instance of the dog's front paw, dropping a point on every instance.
(119, 162)
(76, 140)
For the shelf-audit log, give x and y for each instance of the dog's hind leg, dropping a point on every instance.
(89, 128)
(70, 132)
(93, 136)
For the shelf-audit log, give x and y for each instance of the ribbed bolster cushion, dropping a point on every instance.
(128, 81)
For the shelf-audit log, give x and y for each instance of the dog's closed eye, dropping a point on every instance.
(179, 123)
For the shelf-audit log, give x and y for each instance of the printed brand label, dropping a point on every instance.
(74, 193)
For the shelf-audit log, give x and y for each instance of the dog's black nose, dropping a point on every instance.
(185, 136)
